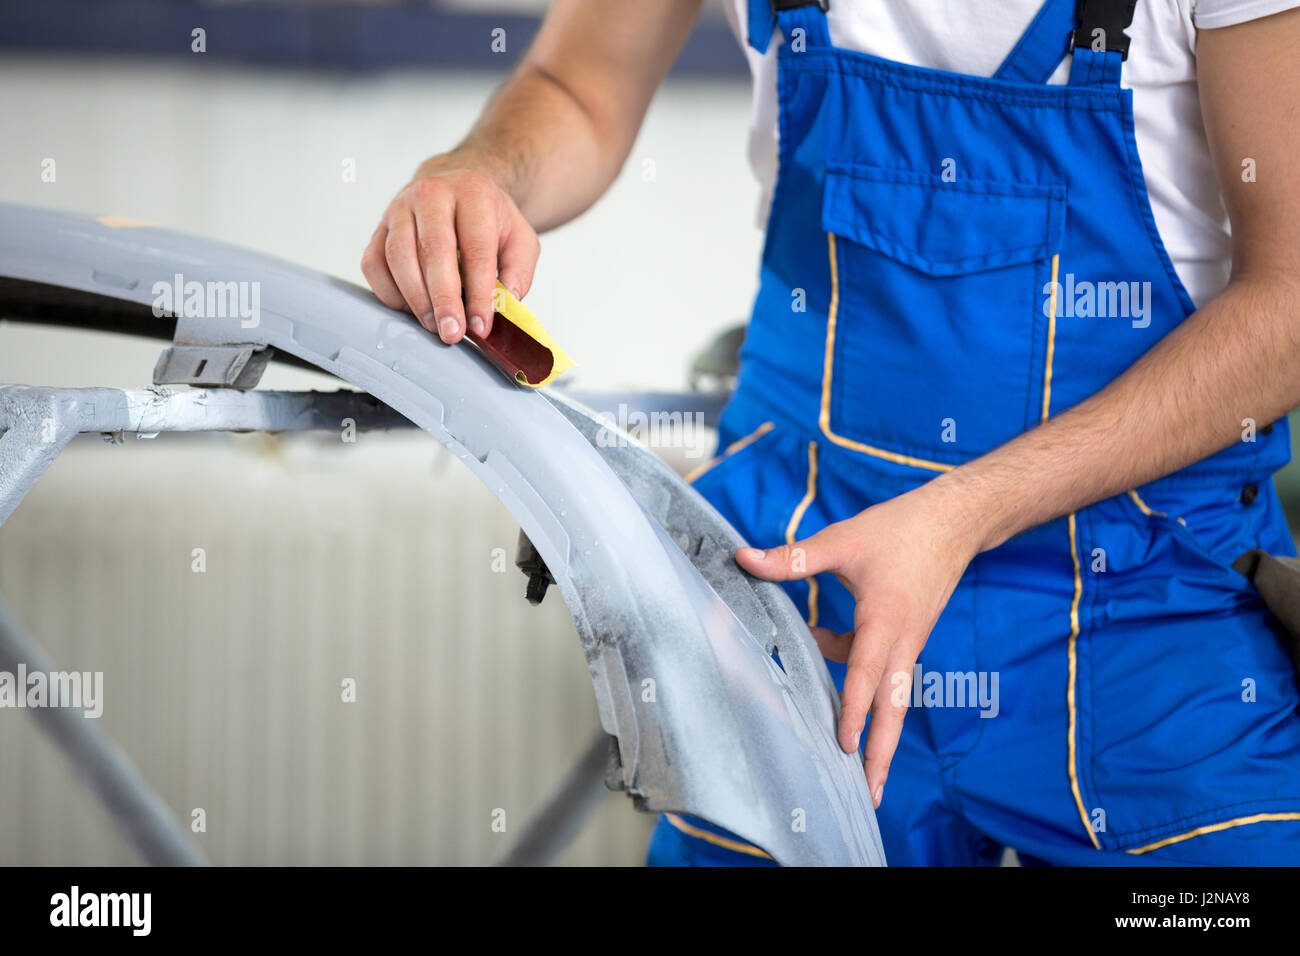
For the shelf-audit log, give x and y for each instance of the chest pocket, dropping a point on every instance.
(938, 339)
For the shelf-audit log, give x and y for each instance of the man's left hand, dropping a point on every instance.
(900, 560)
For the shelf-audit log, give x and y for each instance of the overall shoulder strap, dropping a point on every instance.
(790, 15)
(1043, 45)
(1094, 29)
(1100, 43)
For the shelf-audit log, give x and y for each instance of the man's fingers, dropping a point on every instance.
(868, 656)
(476, 235)
(375, 268)
(404, 263)
(445, 239)
(789, 562)
(887, 713)
(834, 647)
(518, 256)
(436, 234)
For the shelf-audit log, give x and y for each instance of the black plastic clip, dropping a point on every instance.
(1112, 18)
(779, 5)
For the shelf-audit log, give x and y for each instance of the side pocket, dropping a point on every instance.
(1196, 554)
(756, 483)
(730, 453)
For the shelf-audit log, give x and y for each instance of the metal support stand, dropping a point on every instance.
(37, 423)
(561, 818)
(121, 788)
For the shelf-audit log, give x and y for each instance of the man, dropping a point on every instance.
(1004, 416)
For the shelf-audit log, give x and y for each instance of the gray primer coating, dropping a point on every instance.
(677, 638)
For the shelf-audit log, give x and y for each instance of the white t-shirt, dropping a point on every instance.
(975, 36)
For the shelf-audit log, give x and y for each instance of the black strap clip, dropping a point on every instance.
(779, 5)
(1112, 18)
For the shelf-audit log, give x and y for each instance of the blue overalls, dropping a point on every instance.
(949, 260)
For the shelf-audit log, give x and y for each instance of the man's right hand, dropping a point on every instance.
(550, 142)
(411, 261)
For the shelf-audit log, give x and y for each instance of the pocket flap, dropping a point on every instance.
(943, 228)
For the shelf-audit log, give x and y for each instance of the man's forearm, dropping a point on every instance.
(555, 136)
(541, 147)
(1237, 358)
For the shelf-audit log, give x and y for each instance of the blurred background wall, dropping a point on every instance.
(325, 561)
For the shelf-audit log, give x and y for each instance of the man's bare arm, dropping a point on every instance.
(558, 132)
(547, 146)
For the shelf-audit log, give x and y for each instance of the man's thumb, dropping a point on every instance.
(788, 562)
